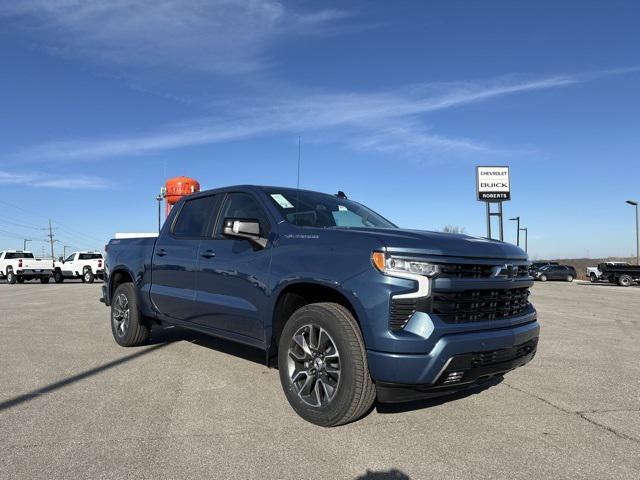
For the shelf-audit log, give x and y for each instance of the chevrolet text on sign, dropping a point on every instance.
(492, 184)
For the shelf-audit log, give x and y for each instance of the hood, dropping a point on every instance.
(419, 242)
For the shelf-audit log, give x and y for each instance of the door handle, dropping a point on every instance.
(161, 253)
(208, 254)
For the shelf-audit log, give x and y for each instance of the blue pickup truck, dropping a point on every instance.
(352, 306)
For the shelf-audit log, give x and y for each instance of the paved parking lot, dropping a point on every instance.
(75, 405)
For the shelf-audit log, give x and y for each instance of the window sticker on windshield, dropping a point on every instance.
(282, 201)
(342, 208)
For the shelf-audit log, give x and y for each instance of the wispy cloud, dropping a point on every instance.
(46, 180)
(227, 37)
(384, 121)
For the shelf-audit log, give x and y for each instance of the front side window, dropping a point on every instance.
(243, 206)
(194, 217)
(70, 257)
(313, 209)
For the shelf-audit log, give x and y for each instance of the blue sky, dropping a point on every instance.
(395, 103)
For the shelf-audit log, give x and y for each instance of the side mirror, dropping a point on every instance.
(248, 228)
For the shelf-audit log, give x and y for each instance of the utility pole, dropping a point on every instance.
(635, 204)
(526, 239)
(24, 243)
(51, 240)
(517, 219)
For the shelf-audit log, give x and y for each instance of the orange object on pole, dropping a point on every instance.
(177, 188)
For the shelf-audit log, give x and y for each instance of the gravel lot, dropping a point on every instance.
(75, 405)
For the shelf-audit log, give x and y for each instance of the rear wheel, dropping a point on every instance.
(323, 365)
(127, 323)
(88, 276)
(625, 281)
(44, 279)
(20, 279)
(11, 277)
(58, 277)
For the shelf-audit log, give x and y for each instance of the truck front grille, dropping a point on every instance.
(480, 305)
(462, 270)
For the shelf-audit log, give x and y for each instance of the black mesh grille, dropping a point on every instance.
(482, 359)
(480, 305)
(462, 270)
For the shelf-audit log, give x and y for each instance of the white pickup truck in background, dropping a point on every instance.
(21, 265)
(594, 274)
(84, 265)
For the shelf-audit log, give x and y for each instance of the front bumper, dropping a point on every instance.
(505, 348)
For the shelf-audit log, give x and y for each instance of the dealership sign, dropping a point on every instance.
(492, 184)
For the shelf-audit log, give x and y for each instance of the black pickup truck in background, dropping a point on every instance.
(623, 275)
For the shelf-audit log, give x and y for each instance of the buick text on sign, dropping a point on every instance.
(492, 184)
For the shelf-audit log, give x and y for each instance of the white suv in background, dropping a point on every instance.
(84, 265)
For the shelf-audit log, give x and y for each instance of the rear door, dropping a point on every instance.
(175, 258)
(232, 273)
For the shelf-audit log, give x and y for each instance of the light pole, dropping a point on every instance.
(635, 204)
(526, 239)
(517, 219)
(24, 243)
(64, 251)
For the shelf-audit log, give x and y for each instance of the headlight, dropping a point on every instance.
(391, 264)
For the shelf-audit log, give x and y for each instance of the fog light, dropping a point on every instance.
(453, 377)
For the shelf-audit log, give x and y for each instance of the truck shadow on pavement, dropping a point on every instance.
(161, 334)
(390, 408)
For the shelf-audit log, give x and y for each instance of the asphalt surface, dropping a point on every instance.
(73, 404)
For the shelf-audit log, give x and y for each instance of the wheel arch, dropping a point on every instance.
(296, 295)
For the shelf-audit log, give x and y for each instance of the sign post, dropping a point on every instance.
(493, 185)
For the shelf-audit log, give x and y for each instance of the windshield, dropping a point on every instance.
(312, 209)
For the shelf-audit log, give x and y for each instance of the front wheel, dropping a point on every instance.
(543, 278)
(58, 277)
(127, 323)
(593, 278)
(20, 279)
(569, 278)
(323, 365)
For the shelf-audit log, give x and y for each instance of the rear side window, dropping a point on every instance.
(90, 256)
(194, 217)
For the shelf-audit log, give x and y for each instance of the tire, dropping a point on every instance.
(44, 280)
(20, 279)
(333, 399)
(625, 281)
(127, 323)
(58, 277)
(88, 276)
(593, 278)
(569, 278)
(11, 277)
(543, 278)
